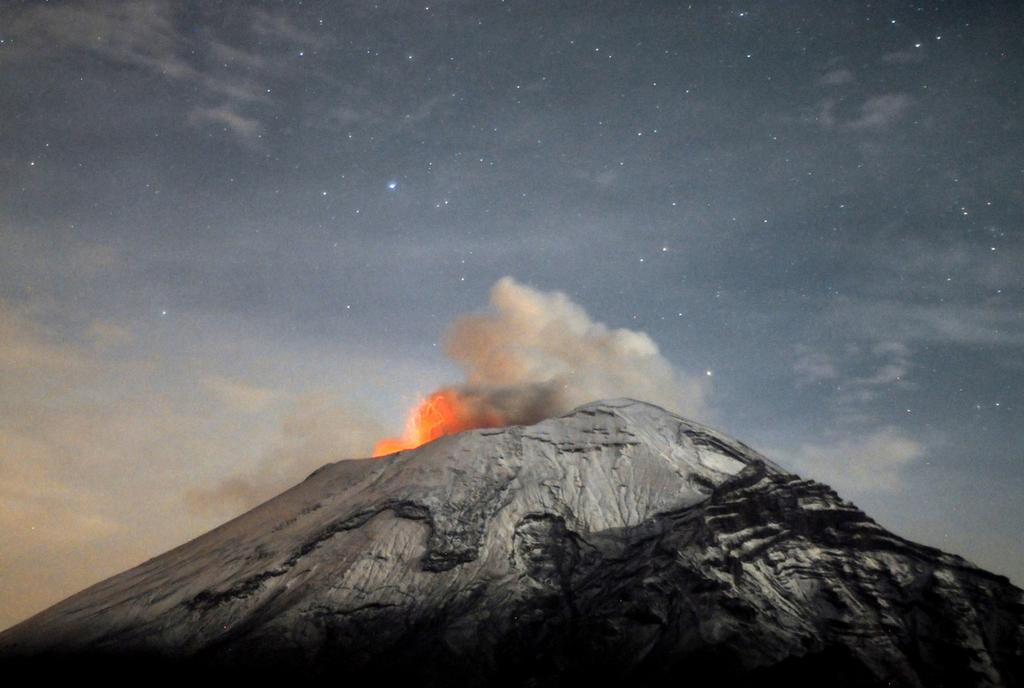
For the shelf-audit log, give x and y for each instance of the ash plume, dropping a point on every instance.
(538, 354)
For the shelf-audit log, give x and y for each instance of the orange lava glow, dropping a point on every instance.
(441, 413)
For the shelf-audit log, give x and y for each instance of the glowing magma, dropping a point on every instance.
(442, 413)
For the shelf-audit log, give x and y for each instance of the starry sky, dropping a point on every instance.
(233, 237)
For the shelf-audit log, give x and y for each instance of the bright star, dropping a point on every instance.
(392, 185)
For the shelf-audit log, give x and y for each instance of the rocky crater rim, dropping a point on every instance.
(633, 412)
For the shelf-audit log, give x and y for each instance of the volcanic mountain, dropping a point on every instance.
(617, 545)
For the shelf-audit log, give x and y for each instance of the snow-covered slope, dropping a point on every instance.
(617, 541)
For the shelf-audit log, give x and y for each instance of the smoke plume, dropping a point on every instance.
(538, 354)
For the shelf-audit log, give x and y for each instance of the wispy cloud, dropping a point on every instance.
(139, 33)
(949, 286)
(365, 109)
(857, 453)
(813, 367)
(836, 77)
(881, 111)
(606, 177)
(246, 129)
(875, 113)
(859, 461)
(317, 429)
(152, 35)
(28, 350)
(277, 27)
(986, 323)
(143, 34)
(858, 369)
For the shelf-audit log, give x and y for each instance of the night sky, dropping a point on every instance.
(234, 235)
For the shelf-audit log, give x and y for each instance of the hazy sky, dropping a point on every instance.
(233, 237)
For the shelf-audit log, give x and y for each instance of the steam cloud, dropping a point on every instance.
(538, 354)
(532, 356)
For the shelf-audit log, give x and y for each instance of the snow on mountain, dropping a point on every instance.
(619, 542)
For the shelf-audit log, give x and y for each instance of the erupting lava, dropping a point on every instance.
(441, 413)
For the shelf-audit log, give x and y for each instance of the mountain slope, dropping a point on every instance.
(619, 542)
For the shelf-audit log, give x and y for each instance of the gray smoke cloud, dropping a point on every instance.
(538, 354)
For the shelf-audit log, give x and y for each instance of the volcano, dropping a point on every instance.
(617, 545)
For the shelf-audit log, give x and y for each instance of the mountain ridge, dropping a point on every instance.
(619, 540)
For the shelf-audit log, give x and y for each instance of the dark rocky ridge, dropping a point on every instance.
(619, 544)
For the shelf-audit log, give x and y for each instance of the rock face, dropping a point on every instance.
(619, 544)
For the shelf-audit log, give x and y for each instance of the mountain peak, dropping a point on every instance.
(619, 403)
(619, 540)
